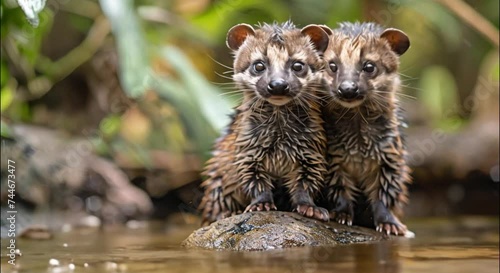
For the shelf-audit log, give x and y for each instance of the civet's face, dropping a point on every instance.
(363, 68)
(277, 63)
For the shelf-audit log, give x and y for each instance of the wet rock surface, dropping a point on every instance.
(275, 230)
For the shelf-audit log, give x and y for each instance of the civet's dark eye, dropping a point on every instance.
(259, 66)
(297, 66)
(369, 67)
(333, 67)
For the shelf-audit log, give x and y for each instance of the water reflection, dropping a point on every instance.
(440, 246)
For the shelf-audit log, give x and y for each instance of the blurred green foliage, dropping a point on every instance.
(439, 93)
(166, 51)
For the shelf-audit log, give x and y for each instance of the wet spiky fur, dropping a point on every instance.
(221, 199)
(366, 156)
(269, 146)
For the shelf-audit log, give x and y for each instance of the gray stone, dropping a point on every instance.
(274, 230)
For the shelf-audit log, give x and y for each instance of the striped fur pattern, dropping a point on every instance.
(366, 156)
(220, 201)
(277, 138)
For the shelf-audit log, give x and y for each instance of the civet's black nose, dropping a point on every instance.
(278, 87)
(348, 90)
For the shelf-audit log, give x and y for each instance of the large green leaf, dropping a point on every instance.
(196, 101)
(194, 121)
(214, 107)
(134, 60)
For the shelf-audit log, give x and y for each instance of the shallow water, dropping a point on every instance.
(467, 244)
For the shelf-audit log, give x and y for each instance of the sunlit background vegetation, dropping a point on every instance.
(144, 82)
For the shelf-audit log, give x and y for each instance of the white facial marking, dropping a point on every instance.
(277, 58)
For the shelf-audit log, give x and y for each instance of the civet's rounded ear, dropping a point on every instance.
(318, 37)
(328, 30)
(397, 39)
(237, 35)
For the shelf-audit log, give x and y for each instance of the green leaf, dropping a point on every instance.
(215, 22)
(440, 18)
(17, 31)
(439, 94)
(136, 76)
(214, 107)
(30, 39)
(5, 130)
(6, 98)
(134, 65)
(194, 121)
(31, 9)
(4, 74)
(110, 125)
